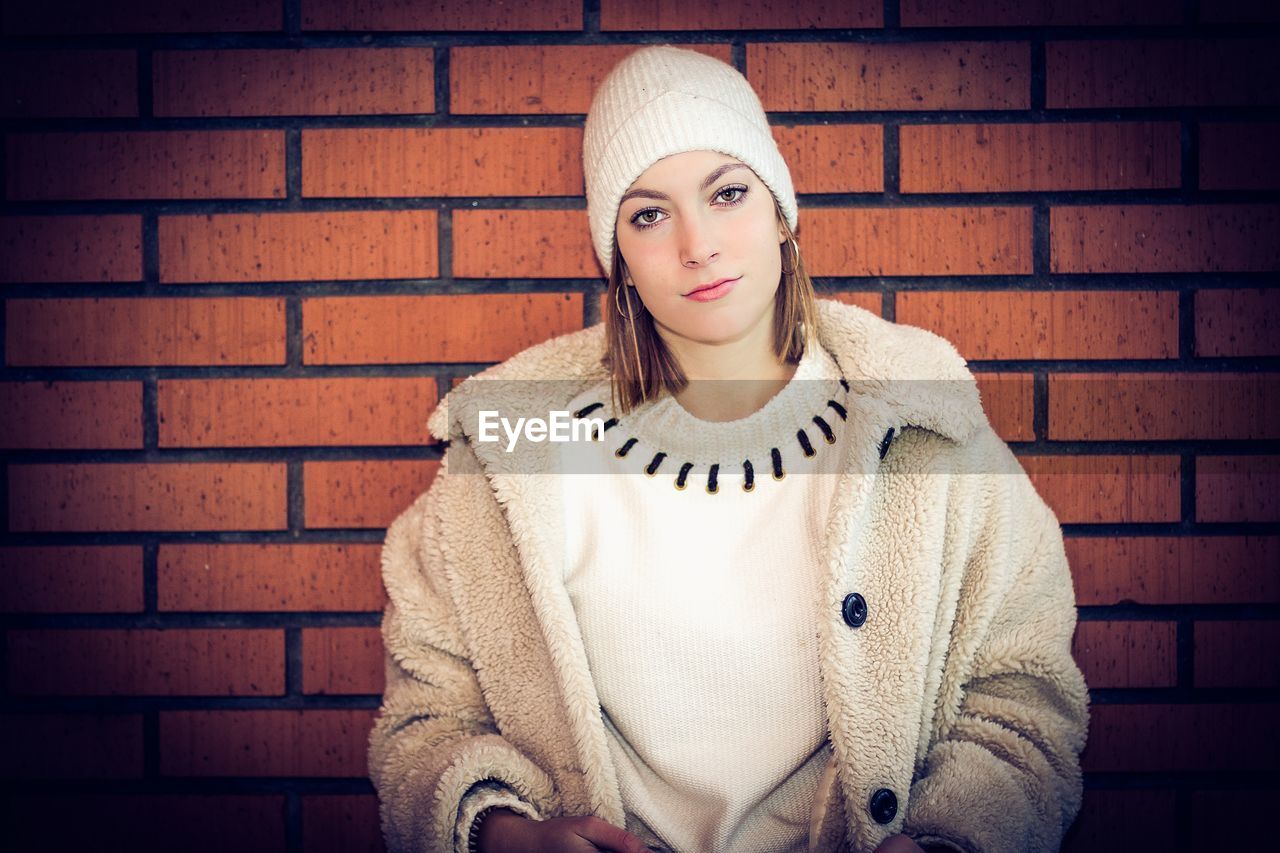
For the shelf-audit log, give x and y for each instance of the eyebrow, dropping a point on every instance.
(708, 181)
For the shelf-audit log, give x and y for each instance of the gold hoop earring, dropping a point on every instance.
(795, 253)
(631, 325)
(617, 303)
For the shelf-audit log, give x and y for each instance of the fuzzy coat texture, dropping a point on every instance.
(959, 693)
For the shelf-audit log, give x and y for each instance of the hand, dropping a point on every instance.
(899, 844)
(504, 831)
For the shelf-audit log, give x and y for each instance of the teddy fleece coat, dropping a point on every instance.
(958, 693)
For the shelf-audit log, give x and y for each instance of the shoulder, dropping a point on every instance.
(919, 374)
(535, 377)
(874, 346)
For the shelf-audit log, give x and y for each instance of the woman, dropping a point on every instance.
(819, 607)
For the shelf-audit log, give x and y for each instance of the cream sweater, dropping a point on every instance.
(698, 610)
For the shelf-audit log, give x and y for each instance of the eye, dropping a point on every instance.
(730, 196)
(646, 218)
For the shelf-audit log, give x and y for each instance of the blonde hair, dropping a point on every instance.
(640, 364)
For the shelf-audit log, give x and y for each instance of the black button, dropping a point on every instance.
(854, 610)
(884, 805)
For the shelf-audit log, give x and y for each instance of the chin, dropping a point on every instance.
(717, 330)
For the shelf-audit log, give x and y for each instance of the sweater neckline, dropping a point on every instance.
(666, 423)
(662, 437)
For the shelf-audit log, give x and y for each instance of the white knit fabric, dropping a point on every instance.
(666, 100)
(698, 613)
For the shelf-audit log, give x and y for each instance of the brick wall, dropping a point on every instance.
(247, 245)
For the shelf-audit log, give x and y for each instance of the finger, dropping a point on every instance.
(604, 834)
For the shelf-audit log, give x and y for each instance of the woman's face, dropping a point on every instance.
(696, 219)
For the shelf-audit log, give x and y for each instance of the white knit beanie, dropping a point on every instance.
(666, 100)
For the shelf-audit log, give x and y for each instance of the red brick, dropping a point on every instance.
(440, 15)
(1181, 738)
(194, 823)
(1240, 156)
(335, 245)
(1100, 489)
(329, 743)
(896, 76)
(646, 15)
(1240, 11)
(141, 16)
(71, 414)
(68, 83)
(71, 248)
(295, 412)
(1048, 324)
(269, 577)
(342, 660)
(182, 164)
(1121, 821)
(938, 158)
(523, 244)
(1164, 238)
(1037, 13)
(69, 332)
(363, 493)
(1237, 322)
(70, 579)
(88, 746)
(1107, 73)
(147, 496)
(414, 329)
(1209, 829)
(866, 299)
(1163, 406)
(451, 161)
(1237, 654)
(841, 158)
(514, 79)
(1126, 654)
(195, 662)
(1009, 400)
(1238, 488)
(341, 824)
(917, 241)
(1175, 570)
(310, 82)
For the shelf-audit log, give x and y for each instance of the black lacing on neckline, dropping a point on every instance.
(826, 430)
(776, 457)
(884, 442)
(804, 443)
(748, 470)
(684, 472)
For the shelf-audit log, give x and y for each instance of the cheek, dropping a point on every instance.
(646, 261)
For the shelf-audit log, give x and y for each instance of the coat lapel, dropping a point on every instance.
(527, 487)
(873, 676)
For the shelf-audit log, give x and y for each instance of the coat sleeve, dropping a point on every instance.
(436, 758)
(1002, 771)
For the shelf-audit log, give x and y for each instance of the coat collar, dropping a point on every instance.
(918, 375)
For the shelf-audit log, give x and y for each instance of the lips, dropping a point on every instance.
(712, 290)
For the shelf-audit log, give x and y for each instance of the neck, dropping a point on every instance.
(730, 380)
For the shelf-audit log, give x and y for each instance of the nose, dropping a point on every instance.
(697, 244)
